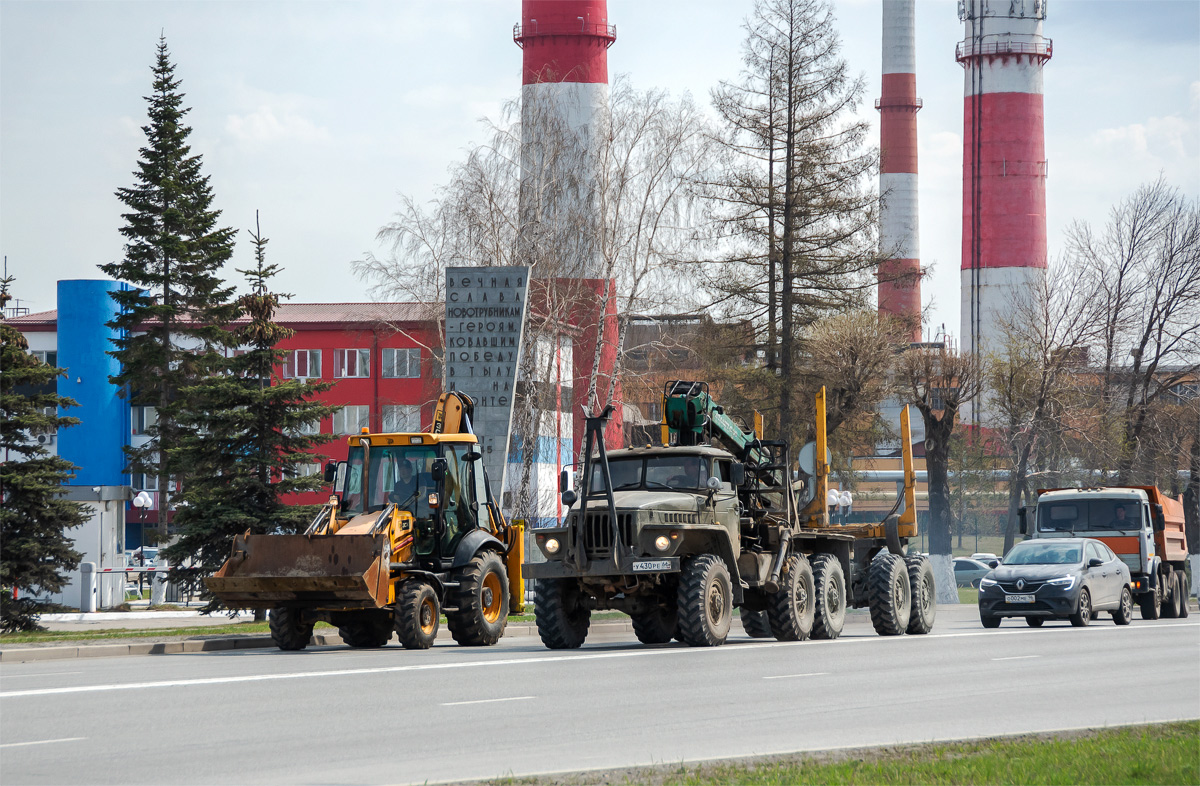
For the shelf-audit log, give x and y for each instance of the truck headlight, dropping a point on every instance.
(662, 543)
(1066, 582)
(551, 545)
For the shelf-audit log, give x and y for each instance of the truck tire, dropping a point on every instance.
(289, 631)
(830, 608)
(791, 610)
(1169, 609)
(889, 594)
(1083, 611)
(1123, 613)
(657, 626)
(482, 602)
(1150, 602)
(417, 614)
(562, 619)
(1185, 592)
(755, 623)
(705, 600)
(923, 587)
(365, 630)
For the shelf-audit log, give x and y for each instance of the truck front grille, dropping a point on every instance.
(598, 534)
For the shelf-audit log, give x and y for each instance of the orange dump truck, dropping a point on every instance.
(1143, 526)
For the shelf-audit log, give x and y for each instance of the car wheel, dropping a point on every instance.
(1034, 622)
(989, 620)
(1123, 613)
(1083, 612)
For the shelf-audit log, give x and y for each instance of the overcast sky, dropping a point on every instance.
(318, 114)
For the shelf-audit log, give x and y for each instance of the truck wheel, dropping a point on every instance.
(656, 626)
(923, 588)
(1083, 612)
(755, 623)
(889, 594)
(417, 614)
(482, 601)
(1169, 609)
(289, 630)
(830, 608)
(562, 619)
(1185, 592)
(1123, 613)
(365, 630)
(1150, 602)
(705, 601)
(791, 610)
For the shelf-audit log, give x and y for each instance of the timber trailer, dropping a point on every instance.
(679, 535)
(411, 531)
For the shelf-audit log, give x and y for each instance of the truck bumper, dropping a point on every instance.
(626, 566)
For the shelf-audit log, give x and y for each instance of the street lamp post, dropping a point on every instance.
(141, 502)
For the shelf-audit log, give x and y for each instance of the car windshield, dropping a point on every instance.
(1089, 515)
(1044, 553)
(654, 472)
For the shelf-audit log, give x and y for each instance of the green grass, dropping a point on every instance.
(968, 595)
(1158, 754)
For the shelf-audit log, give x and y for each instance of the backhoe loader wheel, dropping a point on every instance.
(755, 623)
(705, 601)
(289, 630)
(482, 601)
(792, 610)
(562, 618)
(365, 629)
(924, 594)
(889, 594)
(830, 583)
(417, 614)
(656, 626)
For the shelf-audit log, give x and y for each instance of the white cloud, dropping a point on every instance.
(269, 125)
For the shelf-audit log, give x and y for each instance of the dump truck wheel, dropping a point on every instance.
(792, 609)
(1123, 614)
(1150, 603)
(1169, 608)
(830, 606)
(924, 594)
(562, 619)
(889, 594)
(705, 601)
(289, 630)
(417, 615)
(657, 626)
(364, 630)
(1185, 592)
(482, 601)
(755, 623)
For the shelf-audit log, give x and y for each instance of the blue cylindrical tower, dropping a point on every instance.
(84, 341)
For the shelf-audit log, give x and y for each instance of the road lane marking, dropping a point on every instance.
(40, 742)
(486, 701)
(1019, 657)
(792, 676)
(740, 647)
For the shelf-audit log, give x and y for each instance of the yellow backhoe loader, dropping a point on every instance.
(411, 531)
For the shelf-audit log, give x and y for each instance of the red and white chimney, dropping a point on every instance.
(900, 275)
(1004, 160)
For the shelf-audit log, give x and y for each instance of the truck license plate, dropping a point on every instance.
(646, 565)
(1018, 599)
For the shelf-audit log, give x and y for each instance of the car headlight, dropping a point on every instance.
(1066, 582)
(984, 583)
(551, 545)
(662, 543)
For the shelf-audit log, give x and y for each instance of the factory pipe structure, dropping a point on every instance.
(900, 274)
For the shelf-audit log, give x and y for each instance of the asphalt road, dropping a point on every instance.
(334, 715)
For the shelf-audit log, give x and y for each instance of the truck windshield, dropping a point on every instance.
(1045, 552)
(397, 474)
(1089, 515)
(654, 472)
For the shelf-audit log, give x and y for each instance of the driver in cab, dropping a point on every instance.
(404, 493)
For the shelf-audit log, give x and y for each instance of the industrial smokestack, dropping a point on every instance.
(900, 275)
(1004, 160)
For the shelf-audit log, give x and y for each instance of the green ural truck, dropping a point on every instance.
(679, 536)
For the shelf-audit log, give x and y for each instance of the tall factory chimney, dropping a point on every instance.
(900, 275)
(1004, 160)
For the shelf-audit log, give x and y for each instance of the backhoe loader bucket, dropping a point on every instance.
(338, 571)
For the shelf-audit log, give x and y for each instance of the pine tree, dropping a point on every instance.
(242, 439)
(35, 550)
(172, 324)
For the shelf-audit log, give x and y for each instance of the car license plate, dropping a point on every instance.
(1018, 599)
(647, 565)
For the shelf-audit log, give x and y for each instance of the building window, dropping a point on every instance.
(47, 356)
(311, 427)
(303, 471)
(401, 418)
(144, 482)
(302, 364)
(352, 363)
(653, 410)
(143, 418)
(351, 419)
(401, 363)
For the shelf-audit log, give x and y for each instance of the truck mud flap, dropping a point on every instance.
(265, 571)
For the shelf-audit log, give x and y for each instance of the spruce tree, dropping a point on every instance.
(35, 550)
(242, 439)
(172, 323)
